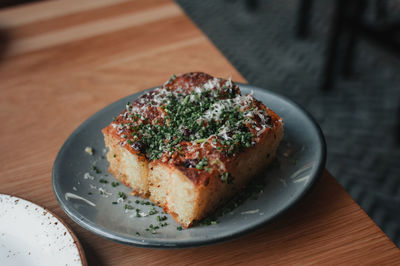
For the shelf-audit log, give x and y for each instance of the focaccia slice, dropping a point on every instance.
(192, 144)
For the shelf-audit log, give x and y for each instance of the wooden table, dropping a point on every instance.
(61, 61)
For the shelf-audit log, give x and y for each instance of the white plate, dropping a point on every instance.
(31, 235)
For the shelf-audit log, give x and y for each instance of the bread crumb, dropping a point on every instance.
(89, 150)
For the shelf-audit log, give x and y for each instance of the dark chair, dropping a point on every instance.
(348, 26)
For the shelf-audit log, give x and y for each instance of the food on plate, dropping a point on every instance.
(191, 144)
(89, 150)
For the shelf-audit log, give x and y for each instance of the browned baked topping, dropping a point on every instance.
(195, 122)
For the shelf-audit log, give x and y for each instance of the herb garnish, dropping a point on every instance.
(172, 78)
(143, 202)
(202, 163)
(95, 169)
(128, 207)
(122, 195)
(152, 228)
(215, 113)
(153, 211)
(161, 218)
(226, 178)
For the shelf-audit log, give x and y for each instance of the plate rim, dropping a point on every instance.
(149, 243)
(75, 239)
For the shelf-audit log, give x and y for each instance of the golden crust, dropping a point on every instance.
(188, 193)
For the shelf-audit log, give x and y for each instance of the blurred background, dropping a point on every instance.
(340, 61)
(327, 56)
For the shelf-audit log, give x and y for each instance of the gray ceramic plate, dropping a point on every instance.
(88, 200)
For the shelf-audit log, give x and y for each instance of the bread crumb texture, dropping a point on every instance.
(191, 144)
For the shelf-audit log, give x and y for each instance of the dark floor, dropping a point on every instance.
(359, 116)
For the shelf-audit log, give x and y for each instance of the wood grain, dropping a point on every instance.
(61, 62)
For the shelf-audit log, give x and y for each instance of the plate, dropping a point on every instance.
(31, 235)
(85, 192)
